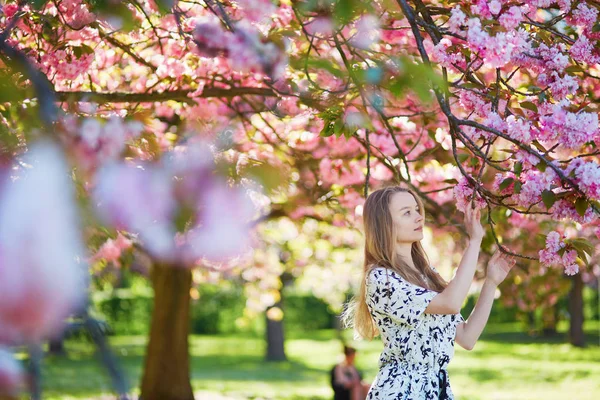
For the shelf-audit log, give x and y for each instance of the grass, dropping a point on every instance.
(505, 364)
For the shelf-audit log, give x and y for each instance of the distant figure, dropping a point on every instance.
(346, 380)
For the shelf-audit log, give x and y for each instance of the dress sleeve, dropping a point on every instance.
(457, 319)
(393, 296)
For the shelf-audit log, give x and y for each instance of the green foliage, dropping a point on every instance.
(216, 311)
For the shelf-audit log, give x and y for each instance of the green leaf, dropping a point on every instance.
(164, 6)
(38, 4)
(549, 198)
(451, 181)
(506, 183)
(541, 166)
(581, 206)
(338, 126)
(326, 65)
(269, 176)
(518, 187)
(518, 168)
(573, 68)
(327, 129)
(529, 106)
(582, 244)
(462, 157)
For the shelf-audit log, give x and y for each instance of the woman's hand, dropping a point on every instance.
(472, 223)
(498, 267)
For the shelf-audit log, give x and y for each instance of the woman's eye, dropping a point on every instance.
(406, 213)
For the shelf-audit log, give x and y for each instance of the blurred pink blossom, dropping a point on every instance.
(42, 277)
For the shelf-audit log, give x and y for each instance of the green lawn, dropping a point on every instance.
(505, 364)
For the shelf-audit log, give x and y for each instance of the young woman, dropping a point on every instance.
(404, 299)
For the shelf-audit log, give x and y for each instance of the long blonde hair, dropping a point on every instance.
(380, 251)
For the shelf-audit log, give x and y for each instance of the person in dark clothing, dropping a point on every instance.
(346, 380)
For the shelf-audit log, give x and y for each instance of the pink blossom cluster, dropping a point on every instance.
(219, 214)
(550, 254)
(368, 31)
(518, 129)
(257, 11)
(496, 50)
(559, 86)
(527, 159)
(584, 51)
(9, 10)
(570, 129)
(583, 15)
(112, 249)
(322, 27)
(64, 64)
(75, 13)
(564, 209)
(534, 183)
(94, 142)
(42, 275)
(457, 20)
(340, 172)
(587, 176)
(245, 48)
(511, 18)
(441, 55)
(463, 193)
(499, 178)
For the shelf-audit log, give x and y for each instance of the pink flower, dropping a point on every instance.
(583, 16)
(553, 242)
(512, 18)
(138, 200)
(495, 6)
(224, 216)
(41, 279)
(463, 192)
(320, 26)
(111, 250)
(548, 258)
(439, 54)
(569, 257)
(570, 129)
(519, 129)
(571, 269)
(368, 32)
(210, 36)
(257, 10)
(582, 50)
(340, 172)
(481, 8)
(9, 9)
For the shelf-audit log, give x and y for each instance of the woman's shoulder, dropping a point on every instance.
(378, 272)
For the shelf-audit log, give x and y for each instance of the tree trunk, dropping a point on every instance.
(275, 337)
(576, 335)
(167, 365)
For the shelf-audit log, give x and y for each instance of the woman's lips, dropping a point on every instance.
(419, 228)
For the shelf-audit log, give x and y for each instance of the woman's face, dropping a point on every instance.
(407, 217)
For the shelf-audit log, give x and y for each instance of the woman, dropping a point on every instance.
(404, 299)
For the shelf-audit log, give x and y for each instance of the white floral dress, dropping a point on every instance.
(417, 346)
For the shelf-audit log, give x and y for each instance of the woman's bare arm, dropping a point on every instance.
(452, 298)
